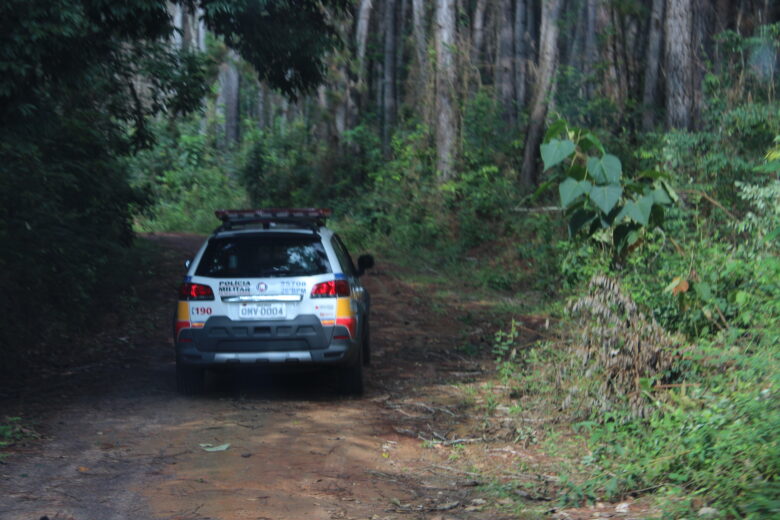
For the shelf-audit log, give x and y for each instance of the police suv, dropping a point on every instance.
(273, 287)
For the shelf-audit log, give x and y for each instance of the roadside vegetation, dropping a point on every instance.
(643, 261)
(659, 274)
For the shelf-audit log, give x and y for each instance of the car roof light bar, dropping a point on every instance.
(304, 217)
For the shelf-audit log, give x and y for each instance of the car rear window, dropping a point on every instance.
(261, 256)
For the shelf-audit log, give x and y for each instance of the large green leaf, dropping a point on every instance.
(660, 196)
(605, 197)
(605, 170)
(638, 211)
(589, 141)
(669, 191)
(571, 189)
(556, 151)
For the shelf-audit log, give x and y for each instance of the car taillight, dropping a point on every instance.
(330, 289)
(195, 291)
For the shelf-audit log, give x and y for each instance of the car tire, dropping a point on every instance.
(351, 378)
(190, 380)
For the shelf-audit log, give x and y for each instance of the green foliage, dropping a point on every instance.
(716, 441)
(185, 177)
(12, 430)
(708, 437)
(486, 138)
(591, 110)
(747, 66)
(281, 169)
(599, 200)
(80, 81)
(404, 205)
(278, 38)
(289, 165)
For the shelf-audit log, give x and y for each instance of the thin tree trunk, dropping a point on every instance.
(620, 54)
(178, 24)
(478, 32)
(361, 38)
(652, 64)
(420, 45)
(228, 99)
(504, 54)
(446, 125)
(605, 27)
(400, 63)
(591, 46)
(679, 63)
(343, 103)
(262, 106)
(388, 76)
(576, 42)
(548, 58)
(520, 53)
(702, 49)
(201, 36)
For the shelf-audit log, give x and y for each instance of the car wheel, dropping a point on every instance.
(351, 378)
(189, 380)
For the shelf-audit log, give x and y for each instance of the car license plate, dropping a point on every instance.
(262, 311)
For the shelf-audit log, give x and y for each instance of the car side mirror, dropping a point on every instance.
(187, 264)
(364, 263)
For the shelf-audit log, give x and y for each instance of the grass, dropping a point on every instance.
(13, 430)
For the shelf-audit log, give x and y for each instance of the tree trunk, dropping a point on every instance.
(591, 46)
(262, 106)
(420, 47)
(361, 38)
(228, 99)
(576, 42)
(388, 76)
(679, 63)
(703, 22)
(201, 35)
(178, 24)
(446, 126)
(520, 54)
(604, 26)
(478, 32)
(504, 70)
(400, 46)
(548, 58)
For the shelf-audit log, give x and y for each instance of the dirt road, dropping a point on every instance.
(118, 442)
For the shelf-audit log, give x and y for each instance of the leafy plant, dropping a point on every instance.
(600, 201)
(12, 430)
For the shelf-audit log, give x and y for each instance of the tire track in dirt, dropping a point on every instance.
(122, 444)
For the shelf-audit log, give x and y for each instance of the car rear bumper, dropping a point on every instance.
(303, 340)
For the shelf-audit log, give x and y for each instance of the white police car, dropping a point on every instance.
(272, 287)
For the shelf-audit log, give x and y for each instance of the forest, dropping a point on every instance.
(613, 165)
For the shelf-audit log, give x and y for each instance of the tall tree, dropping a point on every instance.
(478, 31)
(361, 38)
(228, 99)
(679, 63)
(543, 90)
(520, 52)
(652, 64)
(591, 45)
(389, 73)
(420, 45)
(446, 120)
(504, 72)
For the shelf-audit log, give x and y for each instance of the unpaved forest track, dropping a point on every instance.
(119, 442)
